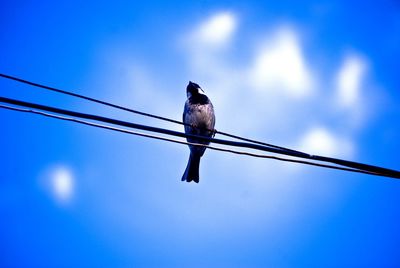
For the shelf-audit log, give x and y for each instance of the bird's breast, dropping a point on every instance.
(200, 115)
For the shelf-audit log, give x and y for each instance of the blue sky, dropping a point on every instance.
(319, 76)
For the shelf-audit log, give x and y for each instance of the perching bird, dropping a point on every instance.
(199, 115)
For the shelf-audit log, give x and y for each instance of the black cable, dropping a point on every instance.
(184, 142)
(355, 165)
(144, 127)
(88, 98)
(138, 112)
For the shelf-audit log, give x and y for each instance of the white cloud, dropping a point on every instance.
(215, 31)
(319, 140)
(280, 64)
(209, 40)
(59, 182)
(62, 184)
(349, 80)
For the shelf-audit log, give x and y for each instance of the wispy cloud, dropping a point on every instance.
(349, 80)
(216, 31)
(62, 184)
(280, 64)
(59, 182)
(320, 140)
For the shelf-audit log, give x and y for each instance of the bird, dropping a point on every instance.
(199, 119)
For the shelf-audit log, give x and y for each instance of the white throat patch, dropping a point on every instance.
(201, 91)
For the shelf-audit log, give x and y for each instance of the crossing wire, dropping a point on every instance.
(20, 80)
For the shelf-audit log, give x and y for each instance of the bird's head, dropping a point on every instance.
(193, 89)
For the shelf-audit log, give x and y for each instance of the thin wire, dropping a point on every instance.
(87, 98)
(145, 127)
(184, 142)
(359, 166)
(138, 112)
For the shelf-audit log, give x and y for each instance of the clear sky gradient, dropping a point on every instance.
(318, 76)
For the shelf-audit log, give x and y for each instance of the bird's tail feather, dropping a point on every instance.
(192, 169)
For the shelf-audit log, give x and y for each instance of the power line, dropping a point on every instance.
(145, 127)
(350, 164)
(184, 142)
(20, 80)
(88, 98)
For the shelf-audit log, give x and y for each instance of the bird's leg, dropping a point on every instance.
(214, 131)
